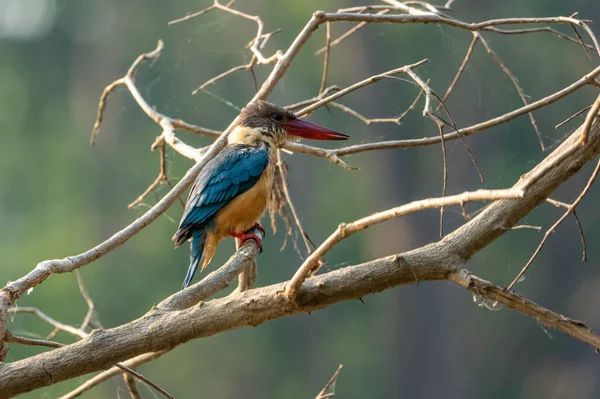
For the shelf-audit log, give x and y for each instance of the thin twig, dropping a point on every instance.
(589, 120)
(103, 376)
(460, 71)
(88, 300)
(326, 59)
(552, 228)
(349, 32)
(444, 177)
(580, 39)
(427, 112)
(370, 80)
(32, 341)
(575, 115)
(460, 136)
(131, 385)
(561, 204)
(192, 15)
(330, 386)
(162, 175)
(288, 199)
(221, 76)
(535, 30)
(370, 121)
(255, 47)
(249, 66)
(515, 83)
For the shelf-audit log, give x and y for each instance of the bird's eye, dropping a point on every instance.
(277, 117)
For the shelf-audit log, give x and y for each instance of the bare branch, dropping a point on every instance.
(577, 221)
(570, 208)
(103, 376)
(434, 18)
(589, 119)
(192, 15)
(102, 106)
(31, 341)
(575, 115)
(330, 386)
(221, 76)
(375, 78)
(290, 203)
(514, 81)
(444, 177)
(487, 292)
(326, 59)
(54, 323)
(427, 112)
(131, 385)
(460, 71)
(318, 152)
(540, 29)
(370, 121)
(580, 39)
(346, 229)
(162, 175)
(351, 31)
(88, 300)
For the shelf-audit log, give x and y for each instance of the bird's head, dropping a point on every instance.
(276, 124)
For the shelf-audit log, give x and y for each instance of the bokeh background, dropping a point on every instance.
(59, 197)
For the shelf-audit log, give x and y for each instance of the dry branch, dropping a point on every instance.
(346, 229)
(570, 209)
(330, 386)
(103, 376)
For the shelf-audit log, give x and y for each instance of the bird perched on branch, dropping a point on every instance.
(231, 192)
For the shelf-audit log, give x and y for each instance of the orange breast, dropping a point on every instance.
(246, 209)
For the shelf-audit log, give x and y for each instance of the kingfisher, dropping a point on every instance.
(231, 192)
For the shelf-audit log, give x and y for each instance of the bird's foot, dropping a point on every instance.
(247, 236)
(258, 226)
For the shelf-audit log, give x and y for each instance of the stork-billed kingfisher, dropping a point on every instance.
(231, 192)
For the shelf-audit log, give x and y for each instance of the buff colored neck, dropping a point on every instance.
(251, 137)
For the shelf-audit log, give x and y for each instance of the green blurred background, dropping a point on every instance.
(59, 197)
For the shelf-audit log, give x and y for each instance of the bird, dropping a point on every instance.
(231, 192)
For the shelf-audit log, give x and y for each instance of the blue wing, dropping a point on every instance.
(233, 171)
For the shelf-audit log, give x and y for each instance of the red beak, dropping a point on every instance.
(309, 130)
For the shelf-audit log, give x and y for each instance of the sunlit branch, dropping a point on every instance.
(346, 229)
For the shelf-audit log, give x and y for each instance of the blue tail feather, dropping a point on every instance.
(196, 251)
